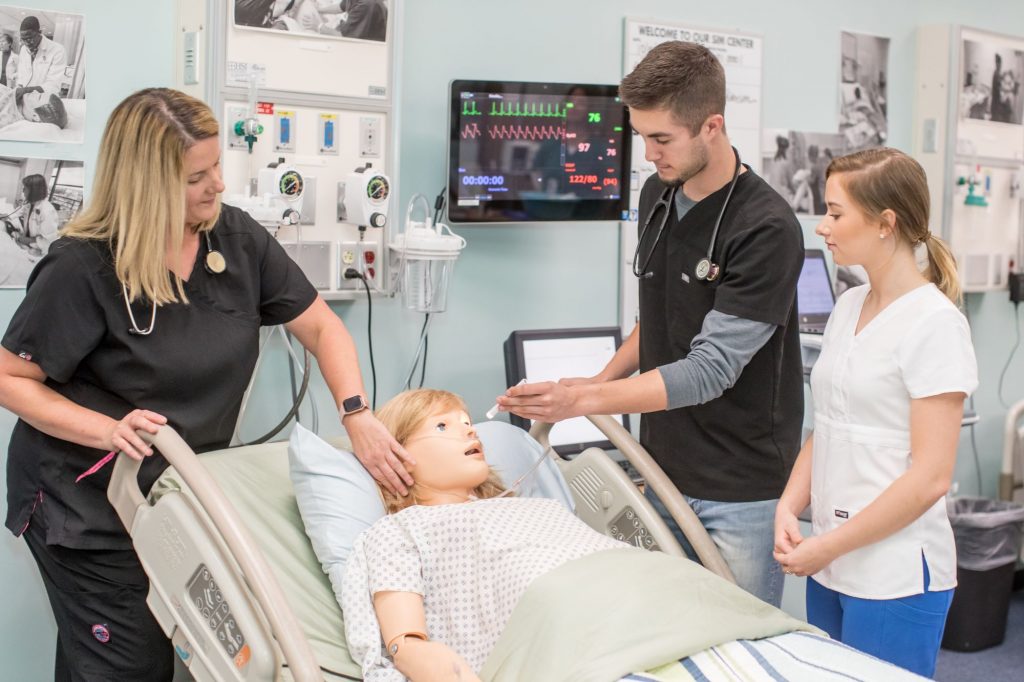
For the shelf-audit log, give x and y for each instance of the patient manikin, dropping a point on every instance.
(457, 539)
(36, 106)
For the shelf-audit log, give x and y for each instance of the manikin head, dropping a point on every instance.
(435, 428)
(46, 107)
(676, 100)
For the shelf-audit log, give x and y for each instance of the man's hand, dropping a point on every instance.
(378, 451)
(547, 401)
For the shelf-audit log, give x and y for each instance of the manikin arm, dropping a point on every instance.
(402, 612)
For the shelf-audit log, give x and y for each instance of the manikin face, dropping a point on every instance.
(677, 155)
(449, 456)
(204, 184)
(851, 236)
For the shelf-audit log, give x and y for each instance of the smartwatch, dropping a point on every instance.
(352, 405)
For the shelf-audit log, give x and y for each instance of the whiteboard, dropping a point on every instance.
(741, 57)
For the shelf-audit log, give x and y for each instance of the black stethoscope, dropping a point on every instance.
(706, 270)
(214, 263)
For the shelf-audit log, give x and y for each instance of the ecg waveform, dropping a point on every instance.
(540, 109)
(513, 132)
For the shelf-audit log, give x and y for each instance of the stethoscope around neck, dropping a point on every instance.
(214, 263)
(707, 269)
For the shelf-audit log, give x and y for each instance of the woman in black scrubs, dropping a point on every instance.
(147, 311)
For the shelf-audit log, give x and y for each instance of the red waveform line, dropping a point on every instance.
(470, 130)
(526, 132)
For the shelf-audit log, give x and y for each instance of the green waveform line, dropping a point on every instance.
(528, 109)
(469, 109)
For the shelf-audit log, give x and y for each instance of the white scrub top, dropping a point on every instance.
(862, 384)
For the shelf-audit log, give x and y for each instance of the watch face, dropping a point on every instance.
(353, 404)
(703, 267)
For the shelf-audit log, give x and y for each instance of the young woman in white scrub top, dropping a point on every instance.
(895, 367)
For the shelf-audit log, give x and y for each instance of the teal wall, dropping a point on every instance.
(523, 276)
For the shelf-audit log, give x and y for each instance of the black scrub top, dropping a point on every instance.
(739, 447)
(193, 368)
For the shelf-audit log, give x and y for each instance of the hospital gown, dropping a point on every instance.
(471, 562)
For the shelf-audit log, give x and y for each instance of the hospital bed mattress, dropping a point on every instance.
(255, 480)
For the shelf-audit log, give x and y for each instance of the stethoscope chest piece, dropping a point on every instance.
(215, 263)
(706, 270)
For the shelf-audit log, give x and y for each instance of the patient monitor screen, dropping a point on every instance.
(536, 151)
(556, 354)
(814, 298)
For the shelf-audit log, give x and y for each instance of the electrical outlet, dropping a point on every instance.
(369, 136)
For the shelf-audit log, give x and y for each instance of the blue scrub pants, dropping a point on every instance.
(906, 632)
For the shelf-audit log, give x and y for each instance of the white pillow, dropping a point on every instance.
(338, 499)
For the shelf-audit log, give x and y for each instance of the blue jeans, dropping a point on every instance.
(906, 632)
(744, 533)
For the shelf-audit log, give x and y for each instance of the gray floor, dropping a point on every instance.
(1003, 663)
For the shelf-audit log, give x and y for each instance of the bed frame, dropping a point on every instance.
(228, 618)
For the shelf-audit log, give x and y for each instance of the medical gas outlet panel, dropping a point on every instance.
(969, 137)
(316, 179)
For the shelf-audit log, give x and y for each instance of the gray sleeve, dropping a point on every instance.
(717, 356)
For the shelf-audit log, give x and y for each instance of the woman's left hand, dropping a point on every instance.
(546, 401)
(379, 452)
(807, 558)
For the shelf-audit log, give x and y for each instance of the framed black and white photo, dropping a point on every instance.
(794, 164)
(42, 75)
(347, 19)
(990, 87)
(37, 197)
(863, 90)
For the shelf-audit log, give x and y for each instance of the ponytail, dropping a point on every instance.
(942, 268)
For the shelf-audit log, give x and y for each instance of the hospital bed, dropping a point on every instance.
(236, 586)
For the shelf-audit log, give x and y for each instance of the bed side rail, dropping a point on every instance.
(1010, 475)
(124, 494)
(673, 500)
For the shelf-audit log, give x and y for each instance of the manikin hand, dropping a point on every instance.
(378, 451)
(432, 662)
(122, 435)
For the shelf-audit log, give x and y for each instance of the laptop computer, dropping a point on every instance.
(814, 295)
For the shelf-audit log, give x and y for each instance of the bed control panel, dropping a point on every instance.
(209, 601)
(198, 596)
(628, 527)
(611, 504)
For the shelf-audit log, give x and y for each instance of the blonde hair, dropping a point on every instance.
(886, 178)
(138, 194)
(403, 415)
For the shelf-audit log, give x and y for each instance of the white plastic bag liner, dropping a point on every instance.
(988, 532)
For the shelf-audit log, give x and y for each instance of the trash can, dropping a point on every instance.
(988, 539)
